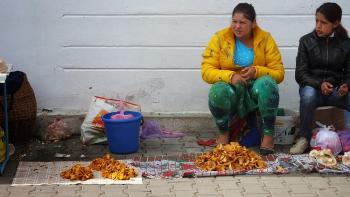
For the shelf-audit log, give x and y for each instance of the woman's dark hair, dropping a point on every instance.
(246, 9)
(333, 13)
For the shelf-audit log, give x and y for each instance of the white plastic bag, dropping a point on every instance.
(92, 129)
(328, 139)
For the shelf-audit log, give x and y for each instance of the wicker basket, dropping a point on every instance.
(21, 112)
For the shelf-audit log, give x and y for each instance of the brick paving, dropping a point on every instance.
(243, 185)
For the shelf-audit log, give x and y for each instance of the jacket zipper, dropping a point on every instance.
(325, 70)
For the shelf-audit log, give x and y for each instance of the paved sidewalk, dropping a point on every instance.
(245, 185)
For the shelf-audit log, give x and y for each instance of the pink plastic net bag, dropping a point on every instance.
(151, 129)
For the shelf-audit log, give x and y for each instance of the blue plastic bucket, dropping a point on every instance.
(123, 136)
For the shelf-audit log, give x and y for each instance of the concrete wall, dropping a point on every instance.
(145, 51)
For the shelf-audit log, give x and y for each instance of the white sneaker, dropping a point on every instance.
(300, 146)
(12, 149)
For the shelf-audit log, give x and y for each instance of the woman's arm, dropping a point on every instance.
(347, 65)
(274, 66)
(211, 69)
(302, 74)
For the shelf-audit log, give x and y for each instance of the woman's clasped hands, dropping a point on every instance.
(244, 76)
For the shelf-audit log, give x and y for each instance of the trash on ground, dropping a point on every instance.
(61, 155)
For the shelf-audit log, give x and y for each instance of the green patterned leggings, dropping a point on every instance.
(226, 101)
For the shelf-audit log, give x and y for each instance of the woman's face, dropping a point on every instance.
(324, 27)
(241, 26)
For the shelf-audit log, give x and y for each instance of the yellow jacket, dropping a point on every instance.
(217, 63)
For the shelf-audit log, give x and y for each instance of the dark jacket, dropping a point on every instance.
(323, 59)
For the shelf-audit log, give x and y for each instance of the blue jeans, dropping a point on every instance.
(310, 99)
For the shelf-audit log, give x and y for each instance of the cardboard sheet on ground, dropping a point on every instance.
(47, 173)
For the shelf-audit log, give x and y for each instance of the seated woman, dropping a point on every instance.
(322, 69)
(244, 64)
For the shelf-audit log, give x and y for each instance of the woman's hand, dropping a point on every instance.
(3, 67)
(326, 88)
(248, 73)
(343, 90)
(237, 78)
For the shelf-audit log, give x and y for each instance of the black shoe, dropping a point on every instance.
(266, 151)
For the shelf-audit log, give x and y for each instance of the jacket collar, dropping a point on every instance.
(258, 33)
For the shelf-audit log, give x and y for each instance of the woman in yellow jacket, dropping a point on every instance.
(244, 65)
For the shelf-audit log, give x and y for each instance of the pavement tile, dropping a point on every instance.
(161, 195)
(228, 185)
(326, 192)
(343, 188)
(207, 190)
(256, 195)
(303, 195)
(334, 181)
(114, 195)
(183, 187)
(251, 185)
(20, 191)
(87, 188)
(294, 180)
(181, 181)
(109, 192)
(136, 188)
(204, 181)
(275, 185)
(19, 195)
(188, 193)
(248, 179)
(300, 189)
(231, 193)
(116, 188)
(4, 189)
(279, 192)
(318, 184)
(157, 182)
(4, 194)
(65, 188)
(89, 193)
(254, 190)
(138, 194)
(45, 188)
(343, 194)
(42, 193)
(162, 186)
(208, 195)
(162, 190)
(226, 178)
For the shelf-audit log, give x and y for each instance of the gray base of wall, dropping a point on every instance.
(187, 122)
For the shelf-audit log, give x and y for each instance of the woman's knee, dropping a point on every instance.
(265, 87)
(222, 95)
(308, 95)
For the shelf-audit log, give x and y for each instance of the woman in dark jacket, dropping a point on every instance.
(322, 69)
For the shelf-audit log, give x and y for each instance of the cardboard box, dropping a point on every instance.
(330, 116)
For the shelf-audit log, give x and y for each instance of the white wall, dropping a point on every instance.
(145, 51)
